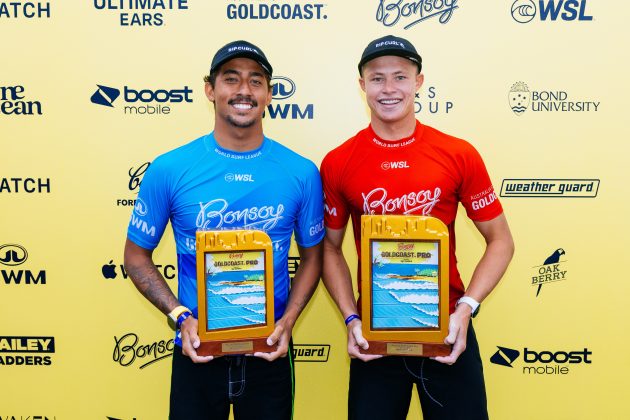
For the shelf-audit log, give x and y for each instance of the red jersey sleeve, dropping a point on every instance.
(336, 210)
(477, 193)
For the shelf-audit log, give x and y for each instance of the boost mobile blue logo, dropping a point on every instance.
(524, 11)
(105, 95)
(504, 356)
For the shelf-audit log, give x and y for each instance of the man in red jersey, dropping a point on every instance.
(399, 166)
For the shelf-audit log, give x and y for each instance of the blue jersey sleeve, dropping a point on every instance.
(151, 210)
(309, 229)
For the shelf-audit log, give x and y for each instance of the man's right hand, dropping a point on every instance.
(191, 342)
(356, 342)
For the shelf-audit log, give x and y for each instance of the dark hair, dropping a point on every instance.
(212, 78)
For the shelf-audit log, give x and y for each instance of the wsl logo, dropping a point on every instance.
(136, 173)
(284, 88)
(142, 101)
(524, 11)
(13, 255)
(519, 97)
(552, 270)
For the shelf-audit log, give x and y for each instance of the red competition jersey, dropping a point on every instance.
(427, 174)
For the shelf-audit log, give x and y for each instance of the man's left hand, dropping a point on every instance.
(457, 330)
(281, 336)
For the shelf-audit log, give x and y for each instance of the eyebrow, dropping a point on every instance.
(238, 73)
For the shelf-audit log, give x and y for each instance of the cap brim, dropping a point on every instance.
(244, 54)
(398, 53)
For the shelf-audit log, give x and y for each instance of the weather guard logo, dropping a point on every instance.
(552, 188)
(263, 10)
(543, 362)
(311, 352)
(390, 12)
(524, 11)
(11, 344)
(12, 103)
(29, 10)
(284, 88)
(12, 255)
(521, 99)
(152, 11)
(154, 101)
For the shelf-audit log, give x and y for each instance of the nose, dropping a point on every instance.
(244, 88)
(388, 86)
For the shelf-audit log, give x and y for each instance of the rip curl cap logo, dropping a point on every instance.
(519, 97)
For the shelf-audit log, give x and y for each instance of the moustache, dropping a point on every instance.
(243, 99)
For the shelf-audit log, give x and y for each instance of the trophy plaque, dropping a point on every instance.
(235, 292)
(404, 285)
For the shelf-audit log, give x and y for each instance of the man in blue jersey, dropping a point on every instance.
(231, 178)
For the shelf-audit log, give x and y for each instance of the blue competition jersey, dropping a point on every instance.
(201, 186)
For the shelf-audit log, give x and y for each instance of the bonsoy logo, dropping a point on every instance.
(128, 350)
(519, 98)
(525, 11)
(411, 13)
(12, 255)
(284, 88)
(552, 270)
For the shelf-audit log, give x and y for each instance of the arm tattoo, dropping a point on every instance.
(149, 281)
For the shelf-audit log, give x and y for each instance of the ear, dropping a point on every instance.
(419, 81)
(209, 92)
(362, 83)
(269, 96)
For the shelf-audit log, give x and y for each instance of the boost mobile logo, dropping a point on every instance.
(105, 96)
(504, 356)
(542, 362)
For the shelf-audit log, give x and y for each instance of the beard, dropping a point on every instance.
(241, 99)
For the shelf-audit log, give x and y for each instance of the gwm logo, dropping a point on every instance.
(12, 255)
(282, 87)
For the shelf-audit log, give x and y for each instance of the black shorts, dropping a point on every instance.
(258, 389)
(381, 389)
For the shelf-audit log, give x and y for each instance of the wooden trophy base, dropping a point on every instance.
(240, 346)
(392, 348)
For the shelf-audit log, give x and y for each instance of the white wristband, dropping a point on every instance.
(175, 313)
(474, 305)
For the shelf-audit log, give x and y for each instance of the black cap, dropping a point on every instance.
(390, 45)
(238, 49)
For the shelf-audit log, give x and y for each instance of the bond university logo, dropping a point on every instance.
(12, 256)
(24, 9)
(550, 100)
(525, 11)
(519, 97)
(552, 270)
(105, 95)
(409, 13)
(504, 356)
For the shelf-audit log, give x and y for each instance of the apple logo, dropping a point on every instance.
(109, 270)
